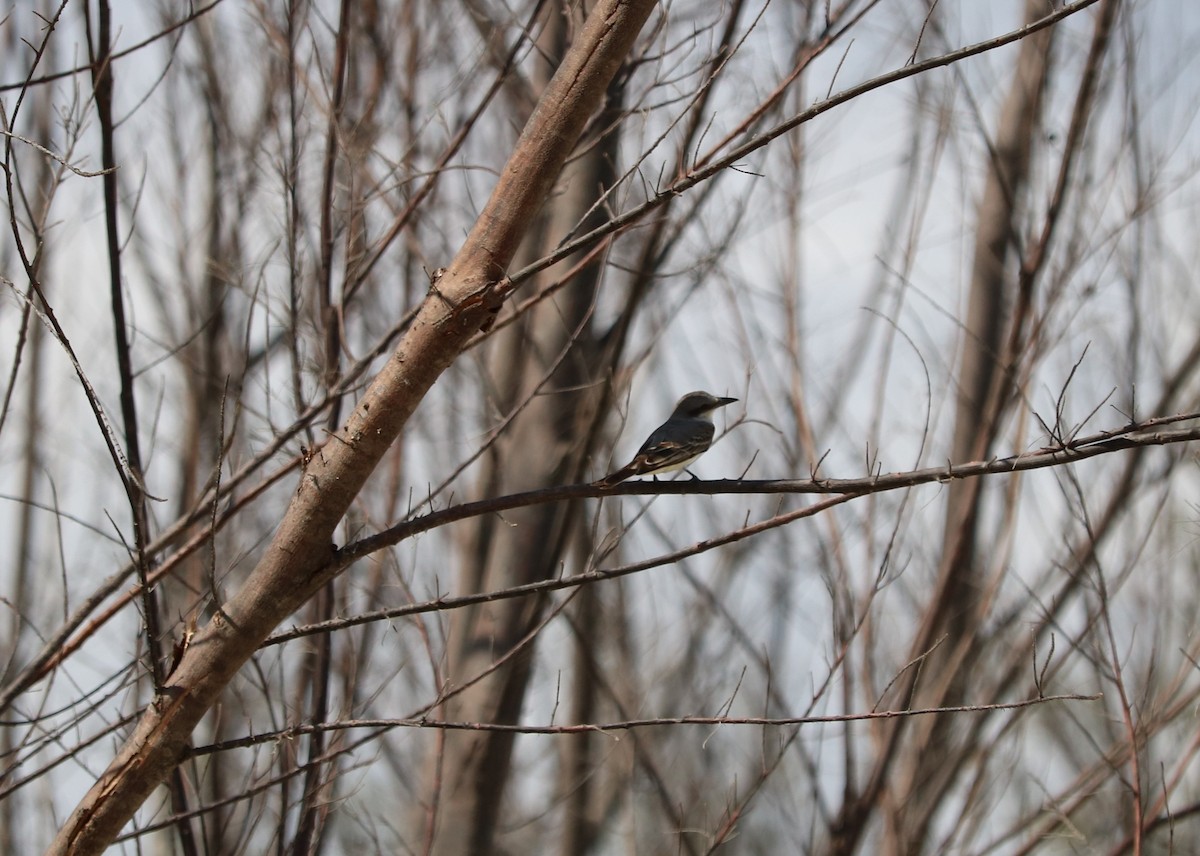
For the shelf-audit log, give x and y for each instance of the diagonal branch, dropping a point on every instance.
(296, 564)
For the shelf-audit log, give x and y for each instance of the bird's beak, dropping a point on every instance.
(721, 402)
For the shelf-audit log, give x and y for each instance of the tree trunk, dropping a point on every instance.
(302, 556)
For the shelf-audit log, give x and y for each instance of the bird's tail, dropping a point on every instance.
(619, 476)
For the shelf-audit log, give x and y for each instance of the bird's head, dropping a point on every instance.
(697, 405)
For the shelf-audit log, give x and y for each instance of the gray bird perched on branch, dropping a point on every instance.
(677, 442)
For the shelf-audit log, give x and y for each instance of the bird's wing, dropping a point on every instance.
(668, 445)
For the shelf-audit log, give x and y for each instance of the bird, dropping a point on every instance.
(685, 436)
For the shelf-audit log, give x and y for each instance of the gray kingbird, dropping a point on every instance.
(677, 442)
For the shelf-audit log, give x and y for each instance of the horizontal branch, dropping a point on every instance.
(623, 725)
(1102, 443)
(1134, 436)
